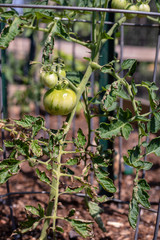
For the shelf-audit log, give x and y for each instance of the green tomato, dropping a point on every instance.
(144, 7)
(62, 73)
(48, 78)
(131, 7)
(59, 102)
(118, 4)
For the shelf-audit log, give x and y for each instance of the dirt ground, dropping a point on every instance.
(114, 216)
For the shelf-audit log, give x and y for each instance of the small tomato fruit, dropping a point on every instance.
(131, 7)
(59, 102)
(144, 7)
(48, 78)
(62, 73)
(118, 4)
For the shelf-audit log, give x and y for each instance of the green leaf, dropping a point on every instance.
(154, 147)
(105, 181)
(59, 229)
(4, 175)
(37, 126)
(142, 197)
(9, 14)
(134, 88)
(36, 149)
(43, 177)
(80, 141)
(8, 168)
(71, 213)
(134, 155)
(61, 31)
(29, 225)
(158, 5)
(74, 189)
(32, 210)
(129, 64)
(142, 165)
(10, 32)
(143, 184)
(154, 125)
(21, 146)
(133, 213)
(9, 162)
(74, 77)
(141, 118)
(72, 161)
(126, 130)
(81, 226)
(95, 211)
(120, 92)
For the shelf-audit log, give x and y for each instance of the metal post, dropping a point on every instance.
(106, 55)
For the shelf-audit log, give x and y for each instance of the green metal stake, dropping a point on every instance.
(106, 55)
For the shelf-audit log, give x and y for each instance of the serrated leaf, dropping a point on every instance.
(80, 141)
(29, 225)
(142, 165)
(9, 162)
(154, 147)
(129, 64)
(35, 211)
(154, 125)
(105, 181)
(32, 210)
(143, 184)
(74, 189)
(4, 176)
(122, 93)
(43, 177)
(36, 127)
(72, 161)
(71, 213)
(133, 213)
(36, 149)
(9, 14)
(95, 211)
(59, 229)
(8, 171)
(74, 77)
(126, 130)
(141, 118)
(81, 226)
(10, 32)
(142, 197)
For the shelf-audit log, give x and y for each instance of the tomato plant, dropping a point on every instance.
(59, 102)
(51, 152)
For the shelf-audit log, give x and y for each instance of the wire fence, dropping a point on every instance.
(118, 201)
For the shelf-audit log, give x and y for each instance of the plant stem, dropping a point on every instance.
(54, 194)
(57, 190)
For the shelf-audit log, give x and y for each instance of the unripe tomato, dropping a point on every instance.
(59, 102)
(49, 78)
(62, 73)
(131, 7)
(144, 7)
(118, 4)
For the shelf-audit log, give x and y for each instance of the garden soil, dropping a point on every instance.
(114, 215)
